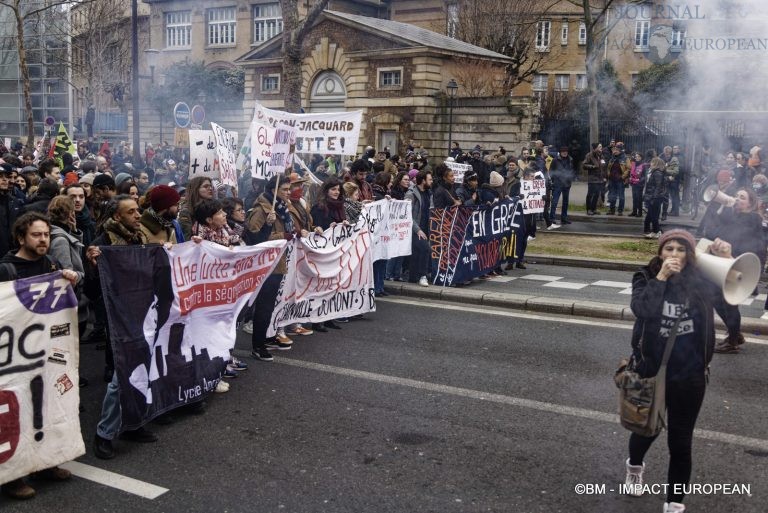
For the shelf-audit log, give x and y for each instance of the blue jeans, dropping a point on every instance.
(379, 270)
(556, 192)
(616, 190)
(111, 414)
(395, 268)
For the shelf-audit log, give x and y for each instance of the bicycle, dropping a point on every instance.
(700, 184)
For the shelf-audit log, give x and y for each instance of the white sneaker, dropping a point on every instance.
(531, 237)
(673, 507)
(634, 480)
(423, 282)
(649, 235)
(221, 387)
(553, 226)
(248, 327)
(657, 235)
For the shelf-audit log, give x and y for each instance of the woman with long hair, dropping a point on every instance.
(443, 192)
(669, 290)
(198, 189)
(129, 188)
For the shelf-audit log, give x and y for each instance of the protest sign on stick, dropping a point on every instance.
(226, 151)
(202, 154)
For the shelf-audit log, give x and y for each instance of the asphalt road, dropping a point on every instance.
(426, 407)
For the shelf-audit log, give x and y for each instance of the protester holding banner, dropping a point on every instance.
(467, 192)
(199, 188)
(32, 235)
(329, 208)
(123, 228)
(380, 188)
(398, 191)
(270, 219)
(359, 172)
(157, 219)
(211, 224)
(443, 193)
(420, 196)
(353, 207)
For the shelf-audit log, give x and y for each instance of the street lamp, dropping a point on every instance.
(452, 88)
(135, 83)
(151, 55)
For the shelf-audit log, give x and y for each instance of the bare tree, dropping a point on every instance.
(505, 27)
(29, 13)
(598, 27)
(101, 50)
(294, 32)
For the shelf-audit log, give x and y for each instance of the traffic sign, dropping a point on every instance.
(49, 121)
(198, 114)
(181, 115)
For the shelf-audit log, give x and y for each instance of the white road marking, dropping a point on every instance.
(624, 325)
(613, 284)
(717, 436)
(761, 297)
(540, 277)
(107, 478)
(565, 285)
(748, 301)
(504, 279)
(764, 316)
(627, 292)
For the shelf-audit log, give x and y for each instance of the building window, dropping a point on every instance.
(581, 82)
(267, 22)
(582, 33)
(678, 38)
(562, 82)
(270, 83)
(178, 29)
(222, 26)
(642, 33)
(564, 33)
(543, 29)
(390, 78)
(540, 84)
(452, 19)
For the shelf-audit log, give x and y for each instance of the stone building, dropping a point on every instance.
(396, 73)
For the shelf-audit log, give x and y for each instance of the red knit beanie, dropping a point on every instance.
(683, 236)
(163, 197)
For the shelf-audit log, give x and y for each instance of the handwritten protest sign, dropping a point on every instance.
(468, 242)
(39, 395)
(390, 224)
(202, 154)
(459, 170)
(226, 151)
(330, 275)
(533, 190)
(271, 149)
(326, 133)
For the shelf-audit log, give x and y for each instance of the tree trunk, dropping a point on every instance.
(292, 79)
(25, 77)
(591, 68)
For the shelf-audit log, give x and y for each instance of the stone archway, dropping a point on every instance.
(328, 93)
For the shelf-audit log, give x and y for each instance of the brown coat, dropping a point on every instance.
(257, 220)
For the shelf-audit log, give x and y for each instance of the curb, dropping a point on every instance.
(608, 265)
(552, 305)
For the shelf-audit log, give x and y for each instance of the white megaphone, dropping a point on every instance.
(737, 277)
(713, 193)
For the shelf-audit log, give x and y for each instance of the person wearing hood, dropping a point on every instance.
(562, 174)
(31, 232)
(467, 191)
(671, 289)
(46, 191)
(10, 209)
(443, 193)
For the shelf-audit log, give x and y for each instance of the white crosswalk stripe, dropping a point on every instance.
(565, 285)
(541, 277)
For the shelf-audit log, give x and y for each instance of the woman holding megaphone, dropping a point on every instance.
(670, 292)
(740, 225)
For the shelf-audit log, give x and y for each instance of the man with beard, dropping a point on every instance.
(10, 207)
(420, 195)
(157, 220)
(359, 171)
(32, 232)
(122, 228)
(85, 222)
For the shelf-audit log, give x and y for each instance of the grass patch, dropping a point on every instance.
(598, 248)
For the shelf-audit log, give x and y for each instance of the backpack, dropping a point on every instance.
(10, 270)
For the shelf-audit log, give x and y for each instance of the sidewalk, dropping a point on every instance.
(600, 290)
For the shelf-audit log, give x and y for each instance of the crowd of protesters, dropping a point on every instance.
(98, 198)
